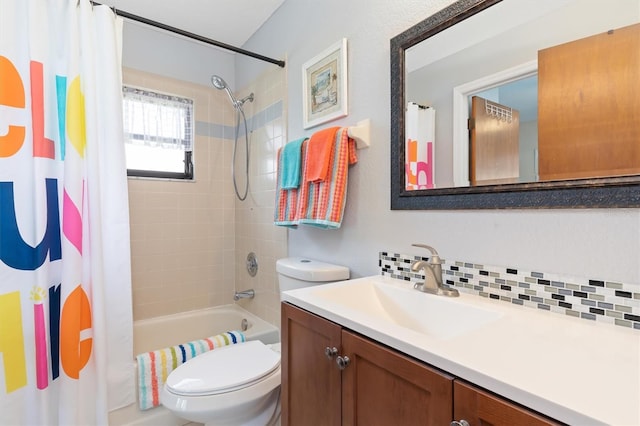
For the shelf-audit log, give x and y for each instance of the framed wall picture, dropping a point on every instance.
(324, 85)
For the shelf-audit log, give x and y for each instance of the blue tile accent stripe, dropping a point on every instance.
(212, 130)
(590, 299)
(259, 119)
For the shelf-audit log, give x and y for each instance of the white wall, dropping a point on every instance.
(156, 51)
(603, 243)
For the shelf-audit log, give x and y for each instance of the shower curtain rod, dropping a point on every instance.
(197, 37)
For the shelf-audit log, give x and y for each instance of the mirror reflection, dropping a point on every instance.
(525, 91)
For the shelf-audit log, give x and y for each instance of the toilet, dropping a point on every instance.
(240, 384)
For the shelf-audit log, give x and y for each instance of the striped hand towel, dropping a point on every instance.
(287, 199)
(154, 367)
(322, 203)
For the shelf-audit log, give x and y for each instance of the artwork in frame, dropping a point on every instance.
(324, 85)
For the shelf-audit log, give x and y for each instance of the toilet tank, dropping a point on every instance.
(299, 272)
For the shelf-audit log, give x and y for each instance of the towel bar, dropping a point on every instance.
(361, 133)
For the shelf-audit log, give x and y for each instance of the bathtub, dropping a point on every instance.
(171, 330)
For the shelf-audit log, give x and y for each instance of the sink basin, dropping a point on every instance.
(437, 316)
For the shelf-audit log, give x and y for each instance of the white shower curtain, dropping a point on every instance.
(65, 286)
(419, 147)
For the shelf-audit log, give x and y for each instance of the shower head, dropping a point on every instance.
(220, 84)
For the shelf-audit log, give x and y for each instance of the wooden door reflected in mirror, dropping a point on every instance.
(494, 133)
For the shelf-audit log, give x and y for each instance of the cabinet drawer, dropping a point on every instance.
(479, 407)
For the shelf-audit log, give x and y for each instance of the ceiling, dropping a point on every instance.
(228, 21)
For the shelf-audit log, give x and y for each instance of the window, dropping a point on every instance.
(158, 131)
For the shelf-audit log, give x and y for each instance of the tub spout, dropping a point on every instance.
(245, 294)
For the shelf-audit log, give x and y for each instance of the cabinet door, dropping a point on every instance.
(479, 407)
(495, 143)
(310, 380)
(382, 387)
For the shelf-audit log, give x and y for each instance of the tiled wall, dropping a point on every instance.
(591, 299)
(183, 233)
(254, 228)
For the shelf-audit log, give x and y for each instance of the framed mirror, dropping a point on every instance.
(480, 49)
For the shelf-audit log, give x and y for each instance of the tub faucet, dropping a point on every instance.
(245, 294)
(432, 274)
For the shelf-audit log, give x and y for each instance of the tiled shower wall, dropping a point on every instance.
(592, 299)
(183, 233)
(254, 228)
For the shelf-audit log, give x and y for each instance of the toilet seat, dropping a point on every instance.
(223, 370)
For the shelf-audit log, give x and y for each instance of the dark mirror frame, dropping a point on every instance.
(582, 193)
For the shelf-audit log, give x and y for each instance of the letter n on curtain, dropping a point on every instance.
(65, 274)
(419, 147)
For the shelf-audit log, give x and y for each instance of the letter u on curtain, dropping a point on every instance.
(65, 274)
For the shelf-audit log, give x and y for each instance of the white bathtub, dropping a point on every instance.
(171, 330)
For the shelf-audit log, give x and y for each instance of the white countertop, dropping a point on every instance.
(576, 371)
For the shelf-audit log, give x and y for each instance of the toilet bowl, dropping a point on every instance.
(232, 385)
(240, 384)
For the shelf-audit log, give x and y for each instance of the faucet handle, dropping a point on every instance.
(435, 257)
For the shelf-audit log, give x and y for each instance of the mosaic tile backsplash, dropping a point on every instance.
(590, 299)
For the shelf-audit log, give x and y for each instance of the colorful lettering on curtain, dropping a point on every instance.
(51, 243)
(74, 312)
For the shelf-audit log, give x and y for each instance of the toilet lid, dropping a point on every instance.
(223, 369)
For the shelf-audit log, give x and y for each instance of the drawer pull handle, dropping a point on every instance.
(459, 423)
(330, 352)
(342, 362)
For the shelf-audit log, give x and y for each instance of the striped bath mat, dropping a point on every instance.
(154, 367)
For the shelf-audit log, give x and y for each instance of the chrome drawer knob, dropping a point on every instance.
(330, 352)
(342, 362)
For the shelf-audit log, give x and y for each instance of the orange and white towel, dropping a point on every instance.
(321, 202)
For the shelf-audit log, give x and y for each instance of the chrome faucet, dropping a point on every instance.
(432, 274)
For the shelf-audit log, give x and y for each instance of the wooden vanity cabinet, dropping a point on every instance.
(310, 393)
(383, 387)
(378, 387)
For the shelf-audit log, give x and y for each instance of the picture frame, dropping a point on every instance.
(324, 85)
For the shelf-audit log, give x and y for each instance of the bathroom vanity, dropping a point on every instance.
(377, 385)
(356, 352)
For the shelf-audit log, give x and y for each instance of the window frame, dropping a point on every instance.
(188, 173)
